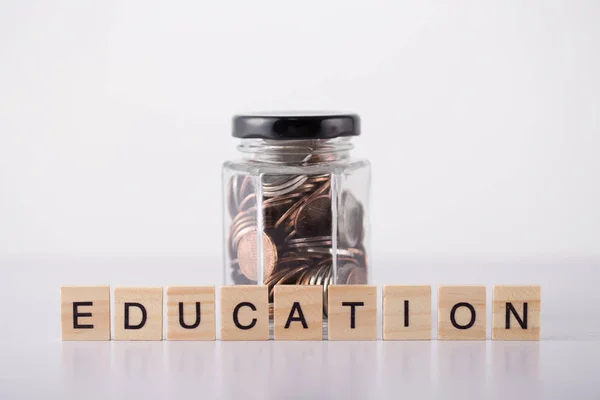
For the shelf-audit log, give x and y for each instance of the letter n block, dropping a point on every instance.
(298, 312)
(138, 313)
(244, 312)
(461, 313)
(352, 312)
(191, 313)
(406, 312)
(516, 313)
(85, 312)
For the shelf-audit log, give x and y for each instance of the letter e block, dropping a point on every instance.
(516, 313)
(352, 312)
(138, 313)
(407, 313)
(191, 313)
(461, 313)
(298, 312)
(244, 312)
(85, 312)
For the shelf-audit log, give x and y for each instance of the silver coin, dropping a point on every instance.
(351, 220)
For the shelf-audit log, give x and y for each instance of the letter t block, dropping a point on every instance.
(352, 312)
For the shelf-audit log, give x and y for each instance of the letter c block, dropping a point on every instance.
(461, 313)
(244, 312)
(138, 313)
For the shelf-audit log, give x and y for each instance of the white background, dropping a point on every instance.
(480, 119)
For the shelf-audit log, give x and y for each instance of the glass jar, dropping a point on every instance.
(296, 203)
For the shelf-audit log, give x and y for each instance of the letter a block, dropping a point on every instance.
(352, 312)
(85, 312)
(516, 313)
(244, 312)
(191, 313)
(407, 313)
(138, 313)
(298, 312)
(461, 313)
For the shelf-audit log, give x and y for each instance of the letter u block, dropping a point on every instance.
(191, 313)
(138, 313)
(461, 313)
(244, 312)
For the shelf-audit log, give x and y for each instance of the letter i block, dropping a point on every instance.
(191, 313)
(298, 312)
(406, 312)
(244, 312)
(461, 313)
(516, 313)
(138, 313)
(85, 312)
(352, 312)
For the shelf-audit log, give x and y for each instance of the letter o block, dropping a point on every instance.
(138, 313)
(461, 313)
(244, 312)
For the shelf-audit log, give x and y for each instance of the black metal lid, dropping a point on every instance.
(289, 126)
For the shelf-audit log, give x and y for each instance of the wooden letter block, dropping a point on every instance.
(516, 313)
(352, 312)
(138, 313)
(407, 313)
(461, 313)
(244, 312)
(191, 313)
(298, 312)
(85, 312)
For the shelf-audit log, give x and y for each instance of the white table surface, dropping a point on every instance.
(35, 364)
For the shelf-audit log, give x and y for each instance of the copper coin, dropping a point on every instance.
(356, 276)
(314, 218)
(247, 254)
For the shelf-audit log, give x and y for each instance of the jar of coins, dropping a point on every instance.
(296, 209)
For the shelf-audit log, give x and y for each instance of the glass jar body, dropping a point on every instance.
(296, 212)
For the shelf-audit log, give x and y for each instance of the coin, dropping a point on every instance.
(247, 254)
(314, 218)
(350, 221)
(297, 220)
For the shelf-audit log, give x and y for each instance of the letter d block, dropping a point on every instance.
(191, 313)
(298, 312)
(85, 312)
(461, 313)
(516, 313)
(138, 313)
(352, 312)
(244, 312)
